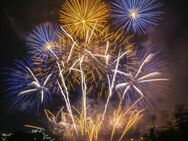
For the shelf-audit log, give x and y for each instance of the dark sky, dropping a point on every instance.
(18, 17)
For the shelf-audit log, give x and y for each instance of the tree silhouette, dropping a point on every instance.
(177, 132)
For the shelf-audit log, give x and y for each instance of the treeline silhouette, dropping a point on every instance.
(177, 131)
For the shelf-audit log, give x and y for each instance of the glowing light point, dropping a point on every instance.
(133, 15)
(83, 21)
(48, 46)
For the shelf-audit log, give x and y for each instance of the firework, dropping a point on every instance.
(98, 54)
(119, 121)
(79, 17)
(145, 75)
(84, 59)
(45, 48)
(43, 40)
(135, 16)
(97, 51)
(25, 91)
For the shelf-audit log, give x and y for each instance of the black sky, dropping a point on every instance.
(18, 17)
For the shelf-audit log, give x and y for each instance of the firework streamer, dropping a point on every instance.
(66, 97)
(84, 87)
(111, 84)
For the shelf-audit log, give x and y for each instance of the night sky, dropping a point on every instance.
(18, 17)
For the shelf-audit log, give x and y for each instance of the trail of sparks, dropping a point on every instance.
(111, 84)
(36, 84)
(66, 97)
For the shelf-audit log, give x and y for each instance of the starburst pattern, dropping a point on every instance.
(135, 16)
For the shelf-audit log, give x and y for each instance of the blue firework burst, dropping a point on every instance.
(43, 40)
(144, 78)
(24, 91)
(44, 48)
(135, 16)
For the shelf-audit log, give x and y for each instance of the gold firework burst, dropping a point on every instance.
(82, 16)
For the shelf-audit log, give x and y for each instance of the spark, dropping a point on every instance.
(118, 121)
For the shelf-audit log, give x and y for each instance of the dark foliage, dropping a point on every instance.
(177, 132)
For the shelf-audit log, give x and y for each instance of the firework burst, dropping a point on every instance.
(79, 17)
(140, 80)
(26, 92)
(86, 58)
(135, 16)
(43, 40)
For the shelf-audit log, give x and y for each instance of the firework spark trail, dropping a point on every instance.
(34, 127)
(67, 103)
(53, 119)
(92, 32)
(106, 53)
(148, 59)
(105, 56)
(118, 121)
(91, 54)
(37, 84)
(73, 66)
(71, 51)
(111, 84)
(73, 45)
(88, 40)
(132, 120)
(122, 55)
(53, 53)
(84, 90)
(66, 97)
(68, 35)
